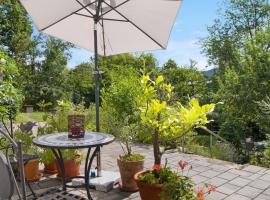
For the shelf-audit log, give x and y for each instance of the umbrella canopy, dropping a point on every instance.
(106, 27)
(122, 25)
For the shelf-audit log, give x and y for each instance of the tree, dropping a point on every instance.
(15, 31)
(187, 81)
(47, 79)
(240, 21)
(239, 47)
(81, 83)
(10, 96)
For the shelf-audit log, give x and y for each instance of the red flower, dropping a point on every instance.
(182, 164)
(156, 167)
(211, 187)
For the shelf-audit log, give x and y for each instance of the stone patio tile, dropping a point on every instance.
(260, 184)
(210, 173)
(220, 168)
(237, 197)
(240, 172)
(240, 181)
(203, 162)
(216, 181)
(228, 188)
(193, 173)
(265, 177)
(215, 196)
(262, 197)
(263, 171)
(253, 169)
(199, 179)
(228, 176)
(249, 191)
(254, 176)
(199, 168)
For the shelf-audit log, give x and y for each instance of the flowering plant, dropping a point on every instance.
(176, 186)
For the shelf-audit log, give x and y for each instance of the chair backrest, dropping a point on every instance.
(6, 183)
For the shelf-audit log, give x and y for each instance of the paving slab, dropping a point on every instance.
(249, 192)
(233, 182)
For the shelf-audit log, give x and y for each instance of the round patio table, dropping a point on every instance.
(59, 141)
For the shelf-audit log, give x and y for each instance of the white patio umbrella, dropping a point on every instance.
(106, 27)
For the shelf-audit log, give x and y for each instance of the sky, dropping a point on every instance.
(191, 25)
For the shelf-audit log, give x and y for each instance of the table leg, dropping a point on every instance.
(88, 163)
(57, 153)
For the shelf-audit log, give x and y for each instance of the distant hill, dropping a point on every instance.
(209, 73)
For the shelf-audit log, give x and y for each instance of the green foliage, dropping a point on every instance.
(238, 44)
(167, 120)
(120, 106)
(10, 97)
(175, 186)
(27, 145)
(15, 30)
(29, 117)
(81, 83)
(187, 81)
(132, 157)
(47, 156)
(261, 158)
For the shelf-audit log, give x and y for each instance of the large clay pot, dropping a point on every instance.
(50, 168)
(148, 191)
(31, 171)
(127, 170)
(72, 169)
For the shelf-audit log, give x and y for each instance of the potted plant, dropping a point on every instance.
(72, 162)
(58, 122)
(31, 154)
(129, 163)
(48, 159)
(168, 121)
(76, 121)
(170, 185)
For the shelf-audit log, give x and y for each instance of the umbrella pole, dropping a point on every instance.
(97, 76)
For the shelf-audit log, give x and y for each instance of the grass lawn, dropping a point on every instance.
(26, 117)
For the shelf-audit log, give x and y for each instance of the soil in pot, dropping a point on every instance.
(50, 168)
(31, 171)
(72, 169)
(127, 170)
(148, 191)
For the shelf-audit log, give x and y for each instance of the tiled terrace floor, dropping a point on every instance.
(233, 182)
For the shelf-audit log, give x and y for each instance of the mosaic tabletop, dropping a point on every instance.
(61, 140)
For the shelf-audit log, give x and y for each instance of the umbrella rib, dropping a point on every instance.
(114, 8)
(149, 36)
(63, 18)
(85, 7)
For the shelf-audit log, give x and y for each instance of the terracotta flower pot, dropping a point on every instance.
(148, 191)
(72, 169)
(127, 170)
(50, 168)
(31, 170)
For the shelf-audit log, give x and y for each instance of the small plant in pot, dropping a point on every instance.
(129, 163)
(31, 156)
(76, 121)
(72, 162)
(171, 185)
(48, 159)
(167, 120)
